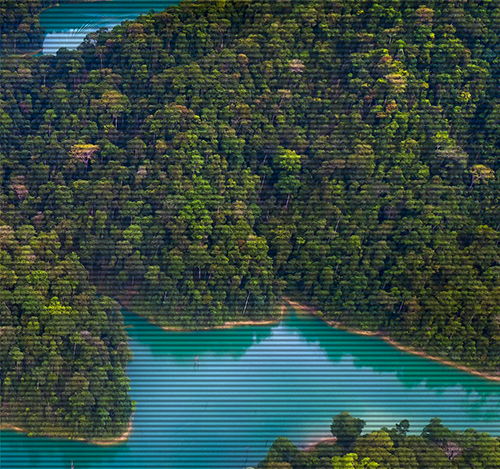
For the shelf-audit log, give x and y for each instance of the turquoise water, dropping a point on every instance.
(252, 384)
(67, 25)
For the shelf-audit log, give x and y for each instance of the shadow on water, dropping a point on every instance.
(185, 346)
(218, 399)
(479, 395)
(300, 341)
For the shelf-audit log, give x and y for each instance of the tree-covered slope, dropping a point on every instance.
(63, 350)
(212, 156)
(20, 29)
(436, 447)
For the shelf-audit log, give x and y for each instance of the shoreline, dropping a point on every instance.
(227, 324)
(328, 440)
(117, 440)
(404, 348)
(25, 54)
(125, 302)
(99, 442)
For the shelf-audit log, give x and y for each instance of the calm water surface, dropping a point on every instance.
(252, 384)
(67, 25)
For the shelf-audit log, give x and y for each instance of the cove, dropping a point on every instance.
(67, 25)
(253, 383)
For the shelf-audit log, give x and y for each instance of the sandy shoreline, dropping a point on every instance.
(100, 442)
(306, 309)
(6, 426)
(114, 441)
(228, 324)
(329, 440)
(25, 54)
(125, 302)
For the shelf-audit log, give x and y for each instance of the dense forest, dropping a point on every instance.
(209, 158)
(437, 447)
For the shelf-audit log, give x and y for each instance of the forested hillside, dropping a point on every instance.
(20, 29)
(63, 350)
(436, 447)
(211, 157)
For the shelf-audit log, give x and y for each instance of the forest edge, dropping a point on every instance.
(124, 301)
(405, 348)
(100, 442)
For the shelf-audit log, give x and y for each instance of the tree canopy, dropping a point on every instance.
(436, 447)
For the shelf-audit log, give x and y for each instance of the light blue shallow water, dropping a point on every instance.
(67, 25)
(252, 384)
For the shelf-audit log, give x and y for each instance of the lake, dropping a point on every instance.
(253, 383)
(67, 25)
